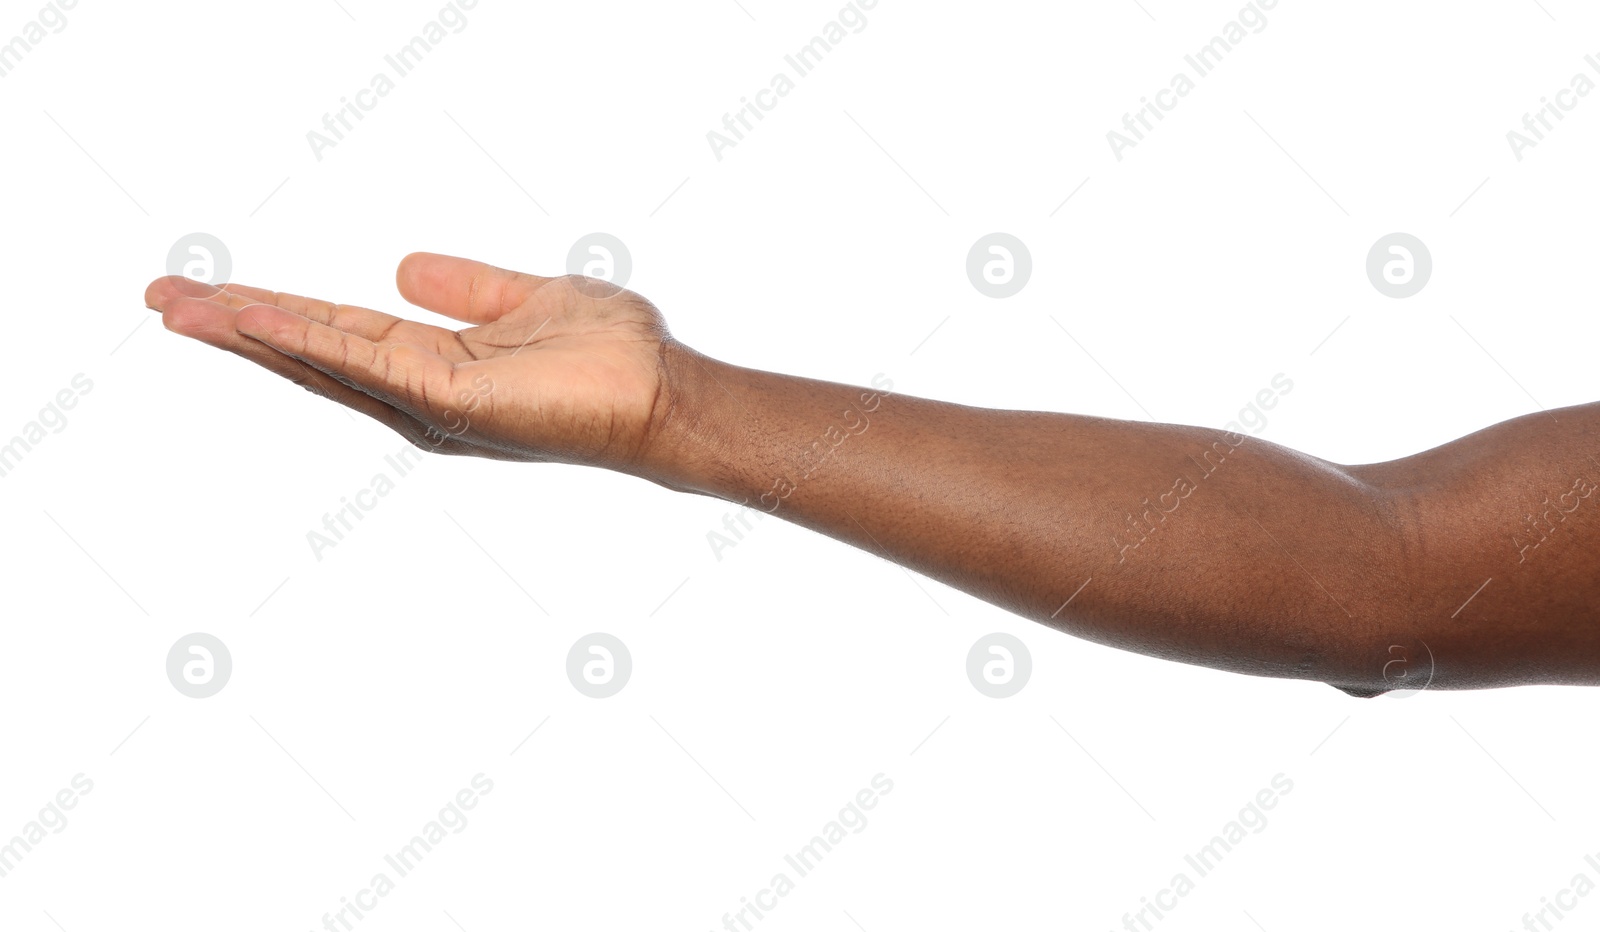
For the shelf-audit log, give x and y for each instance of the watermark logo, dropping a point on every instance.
(1540, 527)
(338, 525)
(1555, 908)
(737, 125)
(51, 21)
(202, 257)
(1536, 125)
(999, 265)
(799, 864)
(999, 665)
(199, 665)
(605, 260)
(1251, 820)
(338, 124)
(1399, 265)
(599, 665)
(1408, 670)
(51, 820)
(451, 820)
(1137, 125)
(52, 419)
(736, 523)
(852, 421)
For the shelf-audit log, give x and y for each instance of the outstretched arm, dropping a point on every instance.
(1189, 543)
(1470, 565)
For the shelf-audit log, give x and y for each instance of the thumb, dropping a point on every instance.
(465, 289)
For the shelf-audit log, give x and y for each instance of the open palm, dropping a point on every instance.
(562, 369)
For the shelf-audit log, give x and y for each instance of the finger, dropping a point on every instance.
(407, 376)
(213, 323)
(169, 288)
(363, 322)
(462, 288)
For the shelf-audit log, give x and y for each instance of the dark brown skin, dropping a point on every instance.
(1186, 543)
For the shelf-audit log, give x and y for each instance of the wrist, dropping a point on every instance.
(687, 443)
(750, 436)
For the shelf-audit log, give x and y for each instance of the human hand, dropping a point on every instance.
(566, 369)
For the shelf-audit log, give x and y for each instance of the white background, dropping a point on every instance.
(771, 685)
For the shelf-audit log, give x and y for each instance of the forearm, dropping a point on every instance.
(1180, 542)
